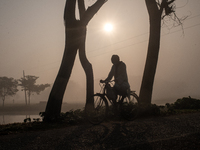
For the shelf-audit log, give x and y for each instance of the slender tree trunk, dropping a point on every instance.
(85, 17)
(54, 104)
(3, 98)
(87, 66)
(75, 33)
(152, 54)
(25, 97)
(29, 97)
(25, 89)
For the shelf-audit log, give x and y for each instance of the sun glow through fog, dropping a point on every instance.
(108, 27)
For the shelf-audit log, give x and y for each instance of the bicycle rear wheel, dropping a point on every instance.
(129, 107)
(97, 113)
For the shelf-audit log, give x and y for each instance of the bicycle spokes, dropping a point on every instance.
(129, 107)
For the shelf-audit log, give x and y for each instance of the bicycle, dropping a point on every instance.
(97, 113)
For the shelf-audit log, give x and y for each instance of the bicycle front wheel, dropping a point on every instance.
(129, 107)
(97, 113)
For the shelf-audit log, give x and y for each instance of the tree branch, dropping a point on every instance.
(168, 9)
(69, 12)
(163, 5)
(81, 7)
(171, 2)
(152, 7)
(91, 11)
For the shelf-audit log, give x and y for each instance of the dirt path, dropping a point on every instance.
(173, 132)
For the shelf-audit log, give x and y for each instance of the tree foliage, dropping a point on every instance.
(8, 87)
(28, 83)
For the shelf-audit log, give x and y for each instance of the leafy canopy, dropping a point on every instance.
(28, 83)
(8, 86)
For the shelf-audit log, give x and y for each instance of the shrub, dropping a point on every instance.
(73, 117)
(187, 103)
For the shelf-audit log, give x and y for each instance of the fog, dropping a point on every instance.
(32, 39)
(164, 92)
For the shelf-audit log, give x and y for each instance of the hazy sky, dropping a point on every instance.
(32, 39)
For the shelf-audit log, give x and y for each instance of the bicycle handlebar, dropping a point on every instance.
(103, 81)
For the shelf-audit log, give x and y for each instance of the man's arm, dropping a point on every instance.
(110, 75)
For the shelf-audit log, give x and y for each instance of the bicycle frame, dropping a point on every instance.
(126, 105)
(103, 93)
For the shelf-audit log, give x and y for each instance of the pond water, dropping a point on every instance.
(6, 119)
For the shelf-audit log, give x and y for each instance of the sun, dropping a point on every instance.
(108, 27)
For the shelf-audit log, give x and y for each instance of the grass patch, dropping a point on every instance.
(77, 117)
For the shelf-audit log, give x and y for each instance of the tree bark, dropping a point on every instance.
(146, 90)
(87, 66)
(54, 103)
(75, 33)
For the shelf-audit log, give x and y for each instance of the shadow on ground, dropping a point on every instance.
(173, 132)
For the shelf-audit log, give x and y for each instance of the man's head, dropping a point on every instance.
(115, 59)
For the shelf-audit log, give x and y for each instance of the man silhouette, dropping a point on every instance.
(119, 72)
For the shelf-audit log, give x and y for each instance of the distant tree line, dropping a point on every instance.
(8, 87)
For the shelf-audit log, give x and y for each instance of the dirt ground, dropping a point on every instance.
(172, 132)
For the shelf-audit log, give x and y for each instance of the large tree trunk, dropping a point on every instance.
(54, 104)
(75, 33)
(145, 95)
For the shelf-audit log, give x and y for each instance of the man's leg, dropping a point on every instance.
(125, 90)
(116, 90)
